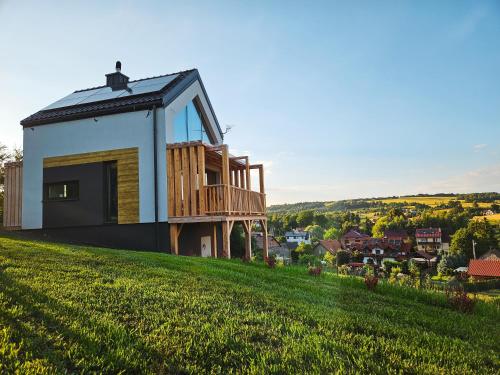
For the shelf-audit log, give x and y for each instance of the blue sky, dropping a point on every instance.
(338, 99)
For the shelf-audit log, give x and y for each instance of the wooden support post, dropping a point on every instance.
(178, 182)
(174, 239)
(242, 178)
(225, 179)
(214, 240)
(201, 178)
(247, 170)
(193, 174)
(265, 245)
(185, 182)
(247, 227)
(227, 226)
(236, 178)
(262, 188)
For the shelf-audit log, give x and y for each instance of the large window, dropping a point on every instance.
(110, 192)
(61, 191)
(188, 125)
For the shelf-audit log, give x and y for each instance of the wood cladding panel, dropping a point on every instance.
(127, 161)
(13, 187)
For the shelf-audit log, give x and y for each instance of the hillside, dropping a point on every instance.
(86, 309)
(432, 200)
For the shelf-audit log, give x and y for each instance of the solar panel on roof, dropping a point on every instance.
(105, 93)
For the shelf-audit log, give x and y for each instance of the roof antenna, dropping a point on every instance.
(118, 66)
(228, 128)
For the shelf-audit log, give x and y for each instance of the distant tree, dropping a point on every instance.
(331, 234)
(329, 258)
(481, 231)
(290, 221)
(304, 248)
(343, 257)
(448, 263)
(347, 226)
(320, 219)
(316, 232)
(495, 208)
(305, 218)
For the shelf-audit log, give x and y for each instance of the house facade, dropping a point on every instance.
(431, 240)
(298, 237)
(138, 164)
(324, 246)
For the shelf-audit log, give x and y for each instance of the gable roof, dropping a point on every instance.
(331, 245)
(355, 234)
(428, 232)
(483, 267)
(395, 233)
(102, 100)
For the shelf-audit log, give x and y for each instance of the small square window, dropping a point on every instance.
(61, 191)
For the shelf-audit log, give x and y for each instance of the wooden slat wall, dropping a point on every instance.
(186, 179)
(13, 188)
(128, 176)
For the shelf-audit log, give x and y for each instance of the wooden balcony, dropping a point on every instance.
(238, 202)
(204, 181)
(207, 184)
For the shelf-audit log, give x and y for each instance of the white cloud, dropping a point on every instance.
(479, 147)
(478, 180)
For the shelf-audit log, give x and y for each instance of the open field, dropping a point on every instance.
(80, 309)
(494, 219)
(430, 201)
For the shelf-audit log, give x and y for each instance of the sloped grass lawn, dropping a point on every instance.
(80, 309)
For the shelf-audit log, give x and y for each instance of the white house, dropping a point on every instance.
(137, 164)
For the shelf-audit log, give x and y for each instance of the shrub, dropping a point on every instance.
(389, 264)
(371, 282)
(478, 286)
(460, 301)
(314, 271)
(329, 258)
(308, 259)
(344, 269)
(270, 261)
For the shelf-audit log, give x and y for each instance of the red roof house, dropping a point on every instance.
(332, 246)
(484, 269)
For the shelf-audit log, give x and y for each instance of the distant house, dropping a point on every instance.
(491, 255)
(323, 246)
(298, 237)
(431, 240)
(484, 268)
(354, 239)
(396, 237)
(488, 213)
(274, 247)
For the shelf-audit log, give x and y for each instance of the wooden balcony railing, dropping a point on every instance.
(240, 202)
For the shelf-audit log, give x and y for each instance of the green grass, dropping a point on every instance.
(80, 309)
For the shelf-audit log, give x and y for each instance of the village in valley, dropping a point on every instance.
(424, 240)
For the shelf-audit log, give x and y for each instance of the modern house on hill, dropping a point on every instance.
(135, 164)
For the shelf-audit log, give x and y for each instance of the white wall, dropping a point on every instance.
(131, 129)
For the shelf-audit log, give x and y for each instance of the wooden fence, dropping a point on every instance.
(12, 203)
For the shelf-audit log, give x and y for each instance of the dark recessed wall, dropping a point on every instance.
(120, 236)
(88, 209)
